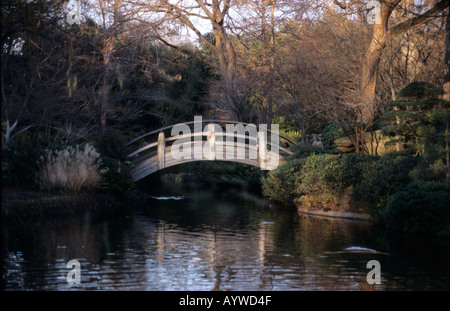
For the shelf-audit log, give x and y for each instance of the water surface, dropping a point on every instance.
(208, 239)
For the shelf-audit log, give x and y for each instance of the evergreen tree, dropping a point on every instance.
(419, 122)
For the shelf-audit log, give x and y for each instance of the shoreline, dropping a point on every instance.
(33, 203)
(19, 203)
(341, 206)
(338, 215)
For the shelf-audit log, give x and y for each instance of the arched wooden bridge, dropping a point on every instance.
(217, 141)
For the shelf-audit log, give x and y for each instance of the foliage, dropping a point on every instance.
(281, 184)
(287, 128)
(330, 134)
(304, 151)
(419, 121)
(231, 173)
(421, 207)
(420, 90)
(428, 171)
(380, 178)
(321, 173)
(71, 168)
(19, 163)
(111, 144)
(368, 179)
(117, 177)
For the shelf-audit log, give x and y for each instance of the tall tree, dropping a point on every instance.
(447, 59)
(382, 31)
(215, 14)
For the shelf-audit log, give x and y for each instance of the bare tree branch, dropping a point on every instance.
(419, 20)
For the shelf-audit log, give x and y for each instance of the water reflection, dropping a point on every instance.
(211, 241)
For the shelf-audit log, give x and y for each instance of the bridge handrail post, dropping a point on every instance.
(262, 149)
(211, 143)
(161, 150)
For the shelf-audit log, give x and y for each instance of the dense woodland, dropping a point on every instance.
(135, 65)
(125, 67)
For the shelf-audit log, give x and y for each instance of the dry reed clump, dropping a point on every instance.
(72, 168)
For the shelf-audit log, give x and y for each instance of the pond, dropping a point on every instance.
(215, 239)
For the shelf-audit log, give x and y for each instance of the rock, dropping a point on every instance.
(343, 142)
(340, 149)
(374, 142)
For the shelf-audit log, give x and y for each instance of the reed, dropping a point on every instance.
(72, 168)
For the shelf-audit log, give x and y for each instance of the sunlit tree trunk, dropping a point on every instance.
(371, 62)
(380, 35)
(447, 59)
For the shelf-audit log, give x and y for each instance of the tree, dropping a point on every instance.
(419, 120)
(28, 33)
(215, 13)
(447, 59)
(382, 31)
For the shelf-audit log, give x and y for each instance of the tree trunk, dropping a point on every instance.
(447, 59)
(371, 62)
(369, 76)
(380, 35)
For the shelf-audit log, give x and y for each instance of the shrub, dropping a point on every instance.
(330, 173)
(420, 89)
(369, 180)
(72, 168)
(19, 158)
(304, 151)
(281, 184)
(418, 121)
(379, 178)
(314, 173)
(421, 207)
(330, 134)
(230, 173)
(111, 144)
(117, 177)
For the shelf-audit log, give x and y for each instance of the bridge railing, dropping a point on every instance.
(215, 141)
(150, 136)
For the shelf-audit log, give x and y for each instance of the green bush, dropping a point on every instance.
(111, 144)
(304, 151)
(331, 173)
(368, 179)
(330, 134)
(420, 89)
(429, 171)
(19, 165)
(281, 184)
(379, 178)
(418, 121)
(227, 173)
(421, 207)
(117, 177)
